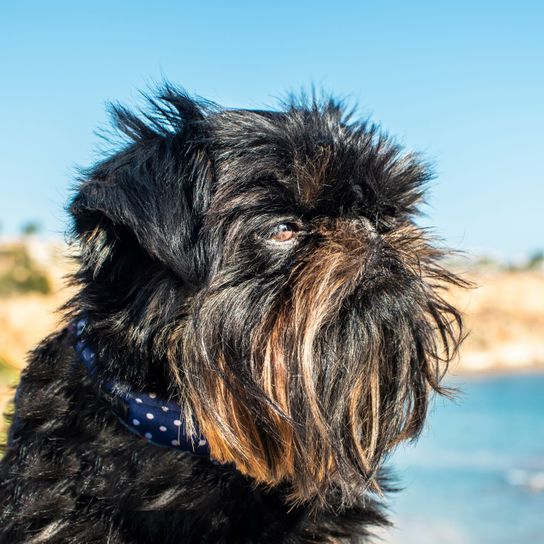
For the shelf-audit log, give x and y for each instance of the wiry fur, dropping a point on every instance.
(304, 362)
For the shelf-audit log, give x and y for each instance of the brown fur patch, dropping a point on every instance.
(311, 174)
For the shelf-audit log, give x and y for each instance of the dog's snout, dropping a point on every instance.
(354, 235)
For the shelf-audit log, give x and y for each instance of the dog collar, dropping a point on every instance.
(157, 421)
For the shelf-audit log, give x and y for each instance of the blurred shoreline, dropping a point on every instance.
(504, 312)
(466, 372)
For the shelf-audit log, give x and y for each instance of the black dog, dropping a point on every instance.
(258, 323)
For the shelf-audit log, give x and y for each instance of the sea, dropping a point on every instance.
(476, 476)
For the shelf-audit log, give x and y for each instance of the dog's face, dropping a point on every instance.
(264, 268)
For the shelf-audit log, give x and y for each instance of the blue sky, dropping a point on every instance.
(462, 82)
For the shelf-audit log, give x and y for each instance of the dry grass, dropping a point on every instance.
(26, 318)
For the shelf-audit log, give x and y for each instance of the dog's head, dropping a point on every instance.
(264, 269)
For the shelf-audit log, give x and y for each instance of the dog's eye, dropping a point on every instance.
(284, 232)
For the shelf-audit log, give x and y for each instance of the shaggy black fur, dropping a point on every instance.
(262, 269)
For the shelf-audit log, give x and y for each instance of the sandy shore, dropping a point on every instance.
(504, 315)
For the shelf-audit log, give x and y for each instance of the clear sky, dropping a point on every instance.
(462, 82)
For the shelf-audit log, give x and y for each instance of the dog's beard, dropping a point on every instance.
(310, 381)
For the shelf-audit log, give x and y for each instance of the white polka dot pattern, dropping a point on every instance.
(145, 414)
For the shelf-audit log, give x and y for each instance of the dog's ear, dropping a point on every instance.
(146, 201)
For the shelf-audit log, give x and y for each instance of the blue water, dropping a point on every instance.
(476, 476)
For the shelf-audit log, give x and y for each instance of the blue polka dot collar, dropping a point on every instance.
(157, 421)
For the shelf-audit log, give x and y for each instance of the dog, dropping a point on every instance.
(258, 322)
